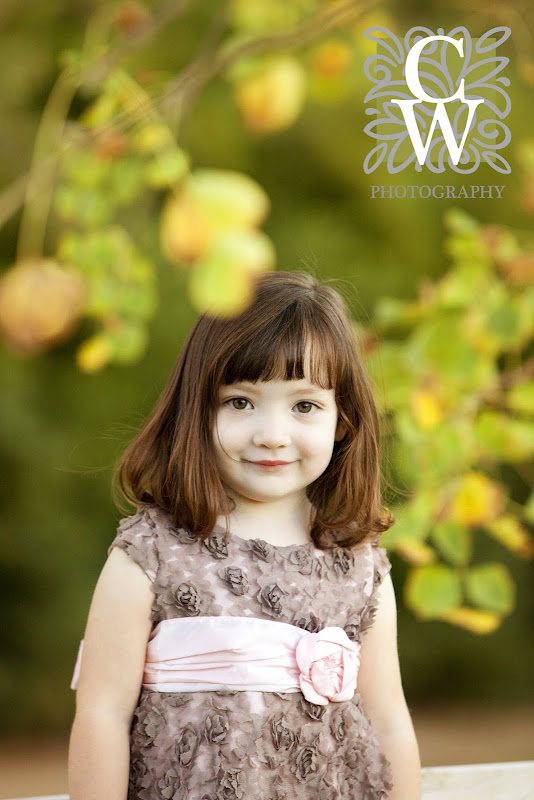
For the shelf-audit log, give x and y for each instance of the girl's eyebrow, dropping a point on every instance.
(250, 387)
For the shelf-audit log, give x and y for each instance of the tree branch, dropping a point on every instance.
(182, 91)
(189, 83)
(33, 182)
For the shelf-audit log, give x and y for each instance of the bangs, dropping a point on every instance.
(291, 347)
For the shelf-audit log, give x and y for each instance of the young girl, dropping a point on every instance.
(241, 640)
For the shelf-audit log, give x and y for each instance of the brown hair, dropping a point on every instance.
(171, 462)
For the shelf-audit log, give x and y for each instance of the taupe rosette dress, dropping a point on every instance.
(235, 744)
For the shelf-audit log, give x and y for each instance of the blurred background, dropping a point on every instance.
(413, 271)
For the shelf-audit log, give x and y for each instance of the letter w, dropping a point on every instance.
(440, 115)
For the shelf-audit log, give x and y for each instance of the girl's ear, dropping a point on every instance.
(341, 430)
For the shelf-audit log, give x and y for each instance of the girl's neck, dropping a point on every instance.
(279, 526)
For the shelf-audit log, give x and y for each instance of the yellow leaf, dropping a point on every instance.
(414, 552)
(426, 409)
(509, 532)
(94, 354)
(476, 621)
(477, 500)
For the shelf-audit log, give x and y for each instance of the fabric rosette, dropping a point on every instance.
(328, 662)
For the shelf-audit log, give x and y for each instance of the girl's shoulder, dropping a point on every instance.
(380, 561)
(142, 536)
(375, 557)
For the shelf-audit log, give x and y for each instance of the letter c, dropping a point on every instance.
(412, 70)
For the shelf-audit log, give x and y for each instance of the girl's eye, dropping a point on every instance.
(307, 406)
(239, 403)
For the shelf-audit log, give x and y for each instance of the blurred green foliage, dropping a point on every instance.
(441, 300)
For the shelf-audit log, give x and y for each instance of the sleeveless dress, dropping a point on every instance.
(235, 744)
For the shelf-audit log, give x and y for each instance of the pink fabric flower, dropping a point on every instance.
(328, 662)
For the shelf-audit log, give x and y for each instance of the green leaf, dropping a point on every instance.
(137, 301)
(439, 343)
(432, 590)
(82, 169)
(438, 453)
(392, 376)
(528, 510)
(453, 541)
(393, 313)
(457, 288)
(521, 398)
(89, 207)
(490, 587)
(458, 222)
(128, 343)
(504, 437)
(125, 180)
(412, 519)
(101, 111)
(167, 168)
(503, 322)
(152, 137)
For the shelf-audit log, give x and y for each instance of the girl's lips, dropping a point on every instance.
(270, 465)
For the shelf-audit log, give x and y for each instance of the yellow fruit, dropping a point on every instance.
(249, 250)
(228, 199)
(41, 302)
(185, 232)
(272, 99)
(331, 59)
(209, 202)
(220, 290)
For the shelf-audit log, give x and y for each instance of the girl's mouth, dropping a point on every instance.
(270, 465)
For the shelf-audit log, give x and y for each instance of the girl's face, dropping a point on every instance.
(273, 438)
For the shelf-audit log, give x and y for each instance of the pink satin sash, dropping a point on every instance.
(246, 653)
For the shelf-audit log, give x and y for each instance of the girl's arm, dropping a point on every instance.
(116, 636)
(380, 687)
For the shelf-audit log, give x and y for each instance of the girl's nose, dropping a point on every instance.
(271, 432)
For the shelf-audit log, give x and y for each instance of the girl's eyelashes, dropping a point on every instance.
(233, 402)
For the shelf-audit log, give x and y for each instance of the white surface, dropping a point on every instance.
(509, 781)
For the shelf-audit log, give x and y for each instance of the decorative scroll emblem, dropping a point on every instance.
(439, 100)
